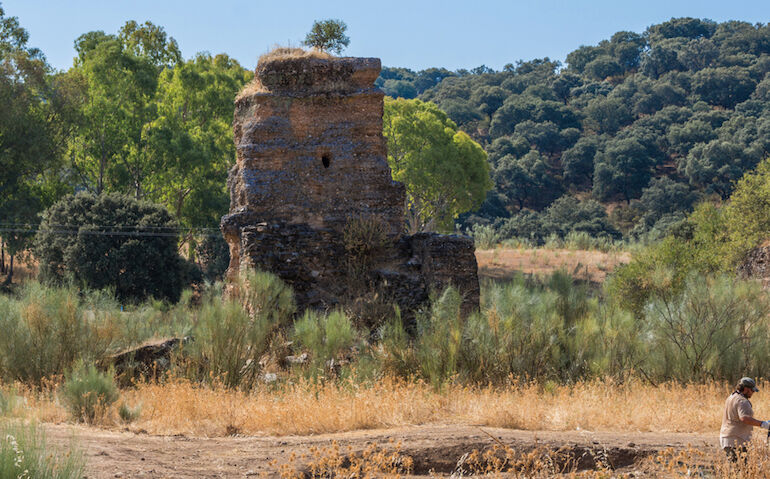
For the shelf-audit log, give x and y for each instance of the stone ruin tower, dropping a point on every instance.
(311, 180)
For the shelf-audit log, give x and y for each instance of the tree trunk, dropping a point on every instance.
(2, 256)
(9, 278)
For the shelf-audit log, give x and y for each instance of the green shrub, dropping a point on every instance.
(128, 414)
(214, 256)
(618, 344)
(716, 329)
(88, 392)
(326, 336)
(231, 336)
(747, 215)
(439, 338)
(228, 344)
(24, 454)
(47, 329)
(5, 403)
(265, 296)
(484, 236)
(396, 350)
(137, 264)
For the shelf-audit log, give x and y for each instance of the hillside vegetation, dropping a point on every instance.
(642, 125)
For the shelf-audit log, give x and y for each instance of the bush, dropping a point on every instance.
(484, 236)
(214, 256)
(24, 454)
(232, 336)
(697, 245)
(439, 338)
(46, 330)
(747, 215)
(265, 296)
(716, 329)
(128, 414)
(531, 331)
(525, 225)
(568, 214)
(326, 336)
(396, 352)
(88, 392)
(111, 241)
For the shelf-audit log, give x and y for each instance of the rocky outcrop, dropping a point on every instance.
(146, 361)
(313, 200)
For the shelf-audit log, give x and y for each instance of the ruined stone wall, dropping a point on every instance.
(311, 159)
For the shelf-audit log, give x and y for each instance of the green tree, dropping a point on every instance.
(622, 169)
(444, 171)
(603, 67)
(526, 181)
(723, 86)
(569, 214)
(664, 197)
(608, 115)
(120, 73)
(111, 241)
(716, 165)
(33, 106)
(748, 213)
(578, 161)
(328, 35)
(190, 138)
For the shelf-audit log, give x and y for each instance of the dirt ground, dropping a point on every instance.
(435, 449)
(503, 263)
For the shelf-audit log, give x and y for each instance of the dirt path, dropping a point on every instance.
(433, 447)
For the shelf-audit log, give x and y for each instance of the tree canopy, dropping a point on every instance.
(686, 100)
(445, 172)
(111, 241)
(328, 35)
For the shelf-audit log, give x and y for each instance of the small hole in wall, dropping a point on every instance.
(325, 160)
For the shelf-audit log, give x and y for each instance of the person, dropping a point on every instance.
(738, 420)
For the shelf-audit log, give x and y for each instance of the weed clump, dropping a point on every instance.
(47, 329)
(128, 414)
(231, 337)
(88, 392)
(327, 336)
(24, 454)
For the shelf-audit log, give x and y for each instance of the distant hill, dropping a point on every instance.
(646, 124)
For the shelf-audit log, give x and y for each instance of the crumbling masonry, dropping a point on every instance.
(312, 199)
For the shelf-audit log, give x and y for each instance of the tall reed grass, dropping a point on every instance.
(25, 454)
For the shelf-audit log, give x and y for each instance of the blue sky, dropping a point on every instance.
(415, 34)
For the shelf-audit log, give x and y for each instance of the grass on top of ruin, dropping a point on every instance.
(179, 406)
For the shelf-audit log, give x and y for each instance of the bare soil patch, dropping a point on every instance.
(501, 264)
(434, 448)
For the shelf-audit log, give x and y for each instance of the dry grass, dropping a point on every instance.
(591, 265)
(290, 53)
(278, 53)
(252, 88)
(181, 407)
(333, 461)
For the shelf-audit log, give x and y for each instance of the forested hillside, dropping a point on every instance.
(623, 139)
(642, 125)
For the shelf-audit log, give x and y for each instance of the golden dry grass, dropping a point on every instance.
(593, 265)
(181, 407)
(278, 53)
(289, 53)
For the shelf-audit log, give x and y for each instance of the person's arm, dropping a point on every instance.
(746, 415)
(755, 422)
